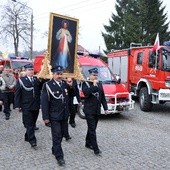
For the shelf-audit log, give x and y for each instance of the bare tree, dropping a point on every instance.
(16, 24)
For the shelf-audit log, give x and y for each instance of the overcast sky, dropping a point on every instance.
(92, 14)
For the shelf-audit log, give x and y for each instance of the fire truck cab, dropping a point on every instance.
(145, 72)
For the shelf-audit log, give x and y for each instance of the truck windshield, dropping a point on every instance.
(19, 64)
(166, 58)
(104, 75)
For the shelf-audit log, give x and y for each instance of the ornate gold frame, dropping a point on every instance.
(46, 67)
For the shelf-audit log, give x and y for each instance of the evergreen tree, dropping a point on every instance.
(136, 21)
(154, 21)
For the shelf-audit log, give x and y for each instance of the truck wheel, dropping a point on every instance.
(80, 112)
(145, 100)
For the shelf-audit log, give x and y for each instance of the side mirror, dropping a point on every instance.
(118, 79)
(150, 64)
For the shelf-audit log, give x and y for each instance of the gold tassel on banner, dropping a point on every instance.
(79, 75)
(45, 72)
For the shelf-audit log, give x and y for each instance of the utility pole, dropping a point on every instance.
(31, 41)
(32, 28)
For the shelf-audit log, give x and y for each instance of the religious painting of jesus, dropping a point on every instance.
(62, 44)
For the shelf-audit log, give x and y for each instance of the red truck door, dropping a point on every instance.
(154, 73)
(137, 65)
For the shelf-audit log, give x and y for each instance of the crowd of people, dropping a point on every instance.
(58, 99)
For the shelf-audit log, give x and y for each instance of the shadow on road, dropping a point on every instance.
(158, 108)
(116, 117)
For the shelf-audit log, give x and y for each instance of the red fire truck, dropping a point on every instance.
(14, 62)
(38, 63)
(145, 72)
(117, 96)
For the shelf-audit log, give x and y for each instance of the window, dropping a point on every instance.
(151, 59)
(154, 59)
(104, 73)
(20, 64)
(139, 58)
(166, 59)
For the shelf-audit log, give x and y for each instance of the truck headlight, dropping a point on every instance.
(167, 84)
(107, 99)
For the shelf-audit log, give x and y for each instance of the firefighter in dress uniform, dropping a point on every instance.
(8, 92)
(54, 101)
(27, 98)
(94, 97)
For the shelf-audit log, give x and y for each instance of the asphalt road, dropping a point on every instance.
(133, 140)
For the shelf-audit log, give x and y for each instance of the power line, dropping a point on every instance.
(75, 8)
(66, 7)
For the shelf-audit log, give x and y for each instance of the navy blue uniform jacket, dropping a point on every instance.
(92, 103)
(25, 98)
(55, 101)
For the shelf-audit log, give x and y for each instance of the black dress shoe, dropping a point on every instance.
(68, 138)
(7, 117)
(61, 162)
(33, 145)
(36, 128)
(89, 147)
(73, 125)
(98, 153)
(26, 140)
